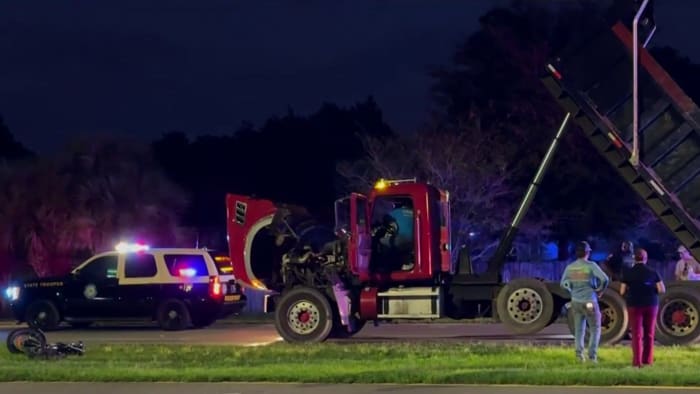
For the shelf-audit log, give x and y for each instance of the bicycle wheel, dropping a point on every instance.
(25, 340)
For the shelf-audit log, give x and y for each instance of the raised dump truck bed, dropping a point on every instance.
(594, 82)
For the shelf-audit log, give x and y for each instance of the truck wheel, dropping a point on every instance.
(43, 315)
(304, 315)
(678, 321)
(173, 315)
(614, 319)
(525, 305)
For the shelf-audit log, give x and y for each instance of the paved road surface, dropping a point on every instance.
(227, 333)
(276, 388)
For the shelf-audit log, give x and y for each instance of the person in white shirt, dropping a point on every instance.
(687, 268)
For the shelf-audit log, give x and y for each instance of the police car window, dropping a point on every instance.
(186, 265)
(140, 265)
(101, 268)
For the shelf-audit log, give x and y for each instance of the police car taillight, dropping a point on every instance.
(215, 289)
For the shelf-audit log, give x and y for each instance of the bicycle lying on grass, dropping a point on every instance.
(32, 342)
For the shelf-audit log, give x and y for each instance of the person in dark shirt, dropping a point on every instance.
(641, 287)
(618, 262)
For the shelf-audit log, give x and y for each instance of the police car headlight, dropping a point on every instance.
(12, 293)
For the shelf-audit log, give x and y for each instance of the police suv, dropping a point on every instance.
(177, 288)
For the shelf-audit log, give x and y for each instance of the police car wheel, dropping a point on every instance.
(304, 315)
(43, 315)
(173, 315)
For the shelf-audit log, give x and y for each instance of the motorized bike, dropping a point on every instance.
(32, 342)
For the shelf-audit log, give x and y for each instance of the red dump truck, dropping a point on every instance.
(388, 255)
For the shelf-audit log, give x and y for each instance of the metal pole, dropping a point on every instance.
(506, 243)
(634, 159)
(532, 189)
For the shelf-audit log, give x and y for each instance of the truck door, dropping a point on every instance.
(445, 234)
(351, 223)
(395, 244)
(360, 230)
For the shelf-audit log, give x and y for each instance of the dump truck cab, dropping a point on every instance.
(399, 233)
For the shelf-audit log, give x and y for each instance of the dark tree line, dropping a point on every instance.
(290, 158)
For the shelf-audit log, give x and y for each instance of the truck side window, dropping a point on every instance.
(140, 265)
(101, 268)
(393, 233)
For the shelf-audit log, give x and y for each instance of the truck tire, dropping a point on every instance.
(43, 314)
(678, 321)
(614, 319)
(303, 315)
(525, 305)
(173, 315)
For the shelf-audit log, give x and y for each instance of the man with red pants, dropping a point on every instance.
(641, 287)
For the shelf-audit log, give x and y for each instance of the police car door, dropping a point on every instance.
(92, 290)
(139, 284)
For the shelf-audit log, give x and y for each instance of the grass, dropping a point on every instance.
(435, 363)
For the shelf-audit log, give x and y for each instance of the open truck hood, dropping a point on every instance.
(247, 220)
(260, 232)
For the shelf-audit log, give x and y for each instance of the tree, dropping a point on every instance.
(93, 194)
(8, 260)
(10, 148)
(493, 84)
(289, 158)
(13, 156)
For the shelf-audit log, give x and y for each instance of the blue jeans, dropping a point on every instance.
(583, 315)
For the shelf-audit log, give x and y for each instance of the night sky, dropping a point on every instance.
(144, 67)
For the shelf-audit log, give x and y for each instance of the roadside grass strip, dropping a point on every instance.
(431, 363)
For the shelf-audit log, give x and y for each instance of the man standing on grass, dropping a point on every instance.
(584, 279)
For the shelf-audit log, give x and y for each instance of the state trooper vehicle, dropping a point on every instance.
(177, 288)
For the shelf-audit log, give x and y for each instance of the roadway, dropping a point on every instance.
(283, 388)
(251, 334)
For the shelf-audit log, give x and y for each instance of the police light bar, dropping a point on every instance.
(123, 247)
